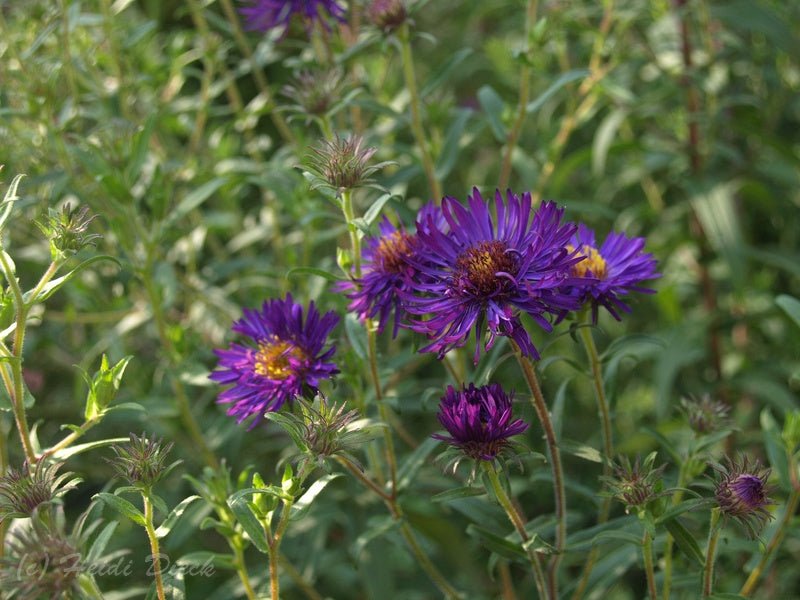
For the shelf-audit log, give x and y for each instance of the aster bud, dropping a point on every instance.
(706, 415)
(387, 15)
(636, 484)
(742, 492)
(342, 163)
(67, 230)
(24, 491)
(315, 92)
(142, 461)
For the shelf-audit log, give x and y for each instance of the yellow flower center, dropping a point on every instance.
(594, 263)
(480, 264)
(272, 358)
(393, 250)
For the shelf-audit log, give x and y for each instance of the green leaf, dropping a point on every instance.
(716, 210)
(604, 137)
(583, 451)
(247, 519)
(174, 515)
(313, 271)
(452, 144)
(304, 502)
(66, 453)
(53, 286)
(412, 464)
(5, 400)
(193, 200)
(776, 449)
(494, 107)
(375, 209)
(458, 493)
(791, 306)
(103, 387)
(497, 543)
(8, 200)
(141, 144)
(623, 536)
(357, 335)
(99, 544)
(560, 82)
(122, 506)
(442, 74)
(201, 558)
(685, 541)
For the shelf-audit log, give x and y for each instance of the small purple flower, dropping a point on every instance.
(385, 271)
(610, 271)
(741, 493)
(287, 358)
(478, 420)
(474, 274)
(263, 15)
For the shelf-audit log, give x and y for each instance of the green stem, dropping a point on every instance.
(670, 541)
(355, 239)
(519, 524)
(298, 579)
(383, 409)
(70, 439)
(397, 514)
(155, 554)
(777, 539)
(711, 551)
(241, 570)
(540, 406)
(647, 554)
(522, 103)
(417, 129)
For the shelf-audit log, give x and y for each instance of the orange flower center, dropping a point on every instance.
(480, 265)
(594, 263)
(272, 358)
(393, 250)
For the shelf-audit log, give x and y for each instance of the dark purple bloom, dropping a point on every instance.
(385, 271)
(474, 274)
(263, 15)
(610, 271)
(286, 358)
(741, 493)
(478, 420)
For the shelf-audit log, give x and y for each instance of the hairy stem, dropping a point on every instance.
(647, 554)
(155, 554)
(241, 570)
(417, 129)
(519, 524)
(711, 552)
(540, 406)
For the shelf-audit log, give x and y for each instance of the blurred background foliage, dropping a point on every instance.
(153, 114)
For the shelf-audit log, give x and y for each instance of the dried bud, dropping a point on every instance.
(315, 93)
(142, 461)
(637, 484)
(67, 230)
(342, 162)
(387, 14)
(706, 415)
(23, 492)
(741, 493)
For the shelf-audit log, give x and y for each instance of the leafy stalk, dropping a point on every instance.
(711, 551)
(155, 553)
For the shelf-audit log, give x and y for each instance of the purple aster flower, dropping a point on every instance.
(475, 274)
(478, 420)
(385, 271)
(263, 15)
(286, 358)
(610, 271)
(741, 493)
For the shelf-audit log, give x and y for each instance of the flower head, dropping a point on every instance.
(343, 163)
(286, 358)
(23, 492)
(706, 415)
(315, 92)
(475, 274)
(263, 15)
(67, 230)
(742, 493)
(387, 14)
(636, 484)
(384, 272)
(142, 461)
(479, 420)
(611, 270)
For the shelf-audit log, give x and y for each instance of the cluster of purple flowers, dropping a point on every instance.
(263, 15)
(468, 271)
